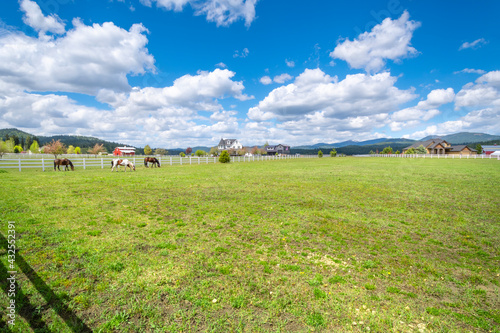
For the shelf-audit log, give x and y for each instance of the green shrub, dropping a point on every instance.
(320, 153)
(224, 157)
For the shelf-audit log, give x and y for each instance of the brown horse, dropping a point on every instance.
(153, 160)
(64, 161)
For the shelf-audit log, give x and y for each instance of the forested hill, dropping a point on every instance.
(22, 138)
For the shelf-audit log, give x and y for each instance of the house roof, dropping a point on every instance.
(491, 148)
(427, 144)
(227, 141)
(461, 147)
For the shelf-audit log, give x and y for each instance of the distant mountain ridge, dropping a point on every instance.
(381, 141)
(463, 138)
(74, 140)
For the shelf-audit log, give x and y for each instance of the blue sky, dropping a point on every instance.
(178, 73)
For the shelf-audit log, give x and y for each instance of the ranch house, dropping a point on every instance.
(441, 147)
(226, 144)
(124, 151)
(278, 149)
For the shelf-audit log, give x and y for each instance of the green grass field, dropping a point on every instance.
(324, 245)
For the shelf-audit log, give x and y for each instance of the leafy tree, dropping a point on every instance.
(333, 153)
(98, 148)
(189, 150)
(372, 152)
(18, 149)
(35, 148)
(255, 150)
(421, 150)
(71, 150)
(3, 148)
(242, 151)
(181, 154)
(479, 148)
(224, 157)
(411, 151)
(214, 151)
(78, 150)
(387, 150)
(397, 152)
(320, 153)
(148, 150)
(200, 153)
(10, 145)
(55, 148)
(161, 151)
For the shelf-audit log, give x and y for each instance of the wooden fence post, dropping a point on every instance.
(19, 164)
(102, 163)
(84, 164)
(43, 165)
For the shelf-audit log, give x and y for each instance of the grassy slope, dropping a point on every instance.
(332, 244)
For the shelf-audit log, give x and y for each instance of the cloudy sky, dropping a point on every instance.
(178, 73)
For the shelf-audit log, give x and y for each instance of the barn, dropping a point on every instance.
(124, 151)
(488, 150)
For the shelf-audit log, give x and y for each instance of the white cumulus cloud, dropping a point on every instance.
(313, 90)
(390, 39)
(85, 60)
(34, 17)
(485, 92)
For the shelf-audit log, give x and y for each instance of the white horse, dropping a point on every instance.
(126, 163)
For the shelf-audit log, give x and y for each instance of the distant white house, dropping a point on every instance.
(226, 144)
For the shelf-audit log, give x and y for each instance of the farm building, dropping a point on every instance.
(488, 150)
(124, 151)
(278, 149)
(441, 147)
(226, 144)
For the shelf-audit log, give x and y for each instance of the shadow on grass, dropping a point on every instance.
(32, 314)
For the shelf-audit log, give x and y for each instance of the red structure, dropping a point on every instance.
(124, 151)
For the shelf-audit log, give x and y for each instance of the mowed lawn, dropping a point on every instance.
(324, 245)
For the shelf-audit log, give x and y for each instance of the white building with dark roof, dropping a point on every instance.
(226, 144)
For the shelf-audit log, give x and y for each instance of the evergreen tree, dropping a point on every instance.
(320, 153)
(224, 157)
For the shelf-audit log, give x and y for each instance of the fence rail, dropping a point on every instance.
(47, 161)
(445, 156)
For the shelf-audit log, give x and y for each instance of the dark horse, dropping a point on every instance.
(65, 162)
(153, 160)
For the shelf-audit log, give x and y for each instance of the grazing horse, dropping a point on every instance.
(153, 160)
(126, 163)
(65, 162)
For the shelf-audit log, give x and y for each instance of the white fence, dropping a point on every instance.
(46, 162)
(449, 156)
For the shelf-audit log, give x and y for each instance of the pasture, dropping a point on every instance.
(324, 245)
